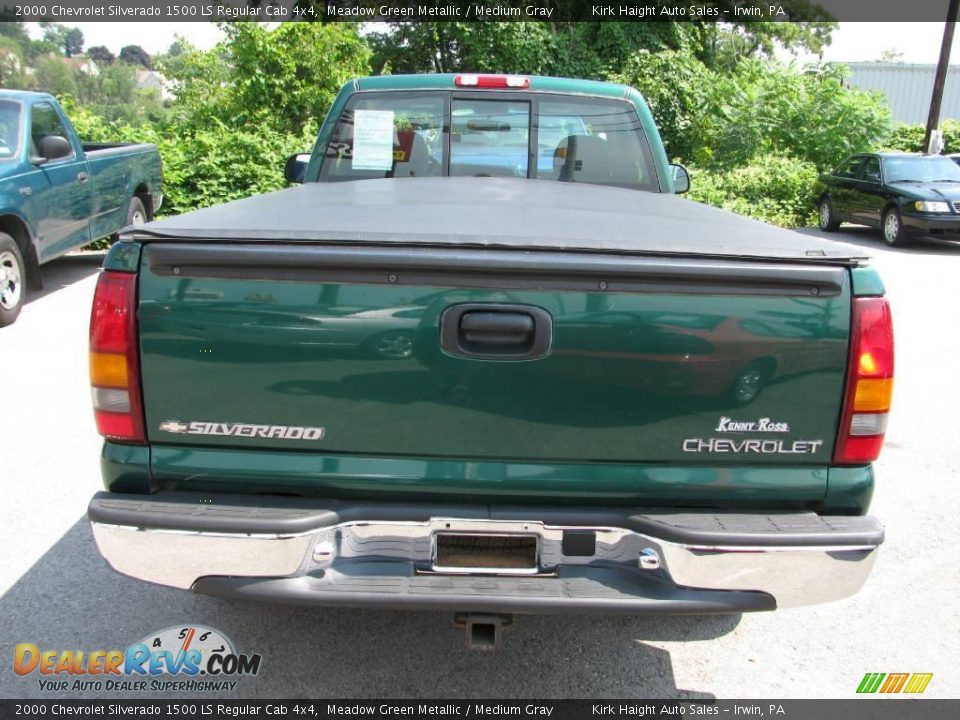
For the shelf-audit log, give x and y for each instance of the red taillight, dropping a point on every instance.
(114, 362)
(516, 82)
(869, 383)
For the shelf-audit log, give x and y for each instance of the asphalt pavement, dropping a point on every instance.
(57, 592)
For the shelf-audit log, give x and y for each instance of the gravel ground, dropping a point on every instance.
(57, 592)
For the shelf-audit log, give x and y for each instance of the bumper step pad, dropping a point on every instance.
(576, 590)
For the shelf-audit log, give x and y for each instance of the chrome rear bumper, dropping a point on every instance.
(332, 554)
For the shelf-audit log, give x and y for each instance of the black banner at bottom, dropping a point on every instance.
(860, 709)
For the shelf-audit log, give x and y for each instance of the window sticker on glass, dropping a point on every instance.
(373, 140)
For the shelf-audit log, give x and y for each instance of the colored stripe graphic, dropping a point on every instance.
(870, 682)
(918, 682)
(894, 683)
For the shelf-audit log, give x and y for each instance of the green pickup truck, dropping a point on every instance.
(486, 360)
(58, 194)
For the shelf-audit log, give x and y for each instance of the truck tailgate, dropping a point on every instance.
(433, 353)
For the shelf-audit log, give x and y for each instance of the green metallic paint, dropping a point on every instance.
(250, 471)
(849, 490)
(124, 256)
(125, 468)
(629, 378)
(866, 281)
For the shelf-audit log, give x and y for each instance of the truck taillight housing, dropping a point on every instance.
(114, 361)
(869, 383)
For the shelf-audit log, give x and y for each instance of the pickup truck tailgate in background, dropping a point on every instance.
(316, 359)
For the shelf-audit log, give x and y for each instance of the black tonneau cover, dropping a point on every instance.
(496, 213)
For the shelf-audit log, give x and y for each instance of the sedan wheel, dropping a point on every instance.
(893, 232)
(825, 213)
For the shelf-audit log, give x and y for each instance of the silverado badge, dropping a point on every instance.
(278, 432)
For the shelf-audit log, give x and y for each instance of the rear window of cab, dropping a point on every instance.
(537, 136)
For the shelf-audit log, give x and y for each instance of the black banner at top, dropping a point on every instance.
(474, 10)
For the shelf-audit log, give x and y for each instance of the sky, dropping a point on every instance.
(919, 42)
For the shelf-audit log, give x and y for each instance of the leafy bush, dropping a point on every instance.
(680, 92)
(724, 119)
(909, 138)
(206, 166)
(772, 188)
(280, 79)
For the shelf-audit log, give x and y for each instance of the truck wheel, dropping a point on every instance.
(136, 212)
(12, 278)
(828, 221)
(893, 232)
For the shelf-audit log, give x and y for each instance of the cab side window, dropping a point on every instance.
(44, 122)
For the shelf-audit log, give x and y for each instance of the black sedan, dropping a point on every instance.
(905, 195)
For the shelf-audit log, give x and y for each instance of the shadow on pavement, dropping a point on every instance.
(65, 271)
(71, 599)
(871, 240)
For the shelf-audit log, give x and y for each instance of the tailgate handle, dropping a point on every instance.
(489, 331)
(496, 328)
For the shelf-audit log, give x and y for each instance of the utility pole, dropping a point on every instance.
(933, 119)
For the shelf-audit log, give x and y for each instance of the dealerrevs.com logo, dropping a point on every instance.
(199, 658)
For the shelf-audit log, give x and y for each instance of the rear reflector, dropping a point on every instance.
(114, 360)
(517, 82)
(869, 384)
(111, 400)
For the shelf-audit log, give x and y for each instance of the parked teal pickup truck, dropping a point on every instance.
(58, 194)
(553, 387)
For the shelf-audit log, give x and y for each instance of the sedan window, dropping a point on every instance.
(850, 169)
(871, 170)
(932, 168)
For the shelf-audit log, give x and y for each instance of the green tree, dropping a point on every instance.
(11, 63)
(55, 34)
(135, 55)
(575, 44)
(72, 42)
(290, 74)
(200, 82)
(279, 78)
(54, 76)
(40, 48)
(724, 119)
(101, 55)
(15, 30)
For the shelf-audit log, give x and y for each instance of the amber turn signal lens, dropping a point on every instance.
(108, 370)
(873, 395)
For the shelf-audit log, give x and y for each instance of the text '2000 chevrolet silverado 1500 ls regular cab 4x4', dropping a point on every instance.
(516, 393)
